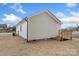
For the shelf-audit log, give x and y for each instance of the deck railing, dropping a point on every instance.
(64, 34)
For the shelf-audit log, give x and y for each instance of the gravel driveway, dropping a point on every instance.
(16, 46)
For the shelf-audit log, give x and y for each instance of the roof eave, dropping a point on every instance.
(56, 19)
(25, 19)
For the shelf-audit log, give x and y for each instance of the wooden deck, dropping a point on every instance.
(64, 34)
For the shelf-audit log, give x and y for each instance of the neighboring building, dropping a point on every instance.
(38, 26)
(11, 28)
(3, 27)
(73, 28)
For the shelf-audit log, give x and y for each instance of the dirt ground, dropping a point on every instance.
(16, 46)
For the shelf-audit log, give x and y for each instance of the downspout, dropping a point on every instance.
(27, 30)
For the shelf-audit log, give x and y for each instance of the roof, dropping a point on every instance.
(49, 13)
(44, 11)
(24, 20)
(53, 16)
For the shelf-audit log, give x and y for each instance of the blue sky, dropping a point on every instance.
(12, 13)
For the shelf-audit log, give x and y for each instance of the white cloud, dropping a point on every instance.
(73, 13)
(76, 14)
(71, 5)
(60, 15)
(71, 19)
(18, 8)
(74, 18)
(67, 21)
(11, 18)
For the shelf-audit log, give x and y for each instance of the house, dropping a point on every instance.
(11, 28)
(3, 27)
(38, 26)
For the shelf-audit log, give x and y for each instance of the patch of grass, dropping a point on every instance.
(4, 31)
(10, 31)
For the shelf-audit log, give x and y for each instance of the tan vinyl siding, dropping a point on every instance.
(42, 26)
